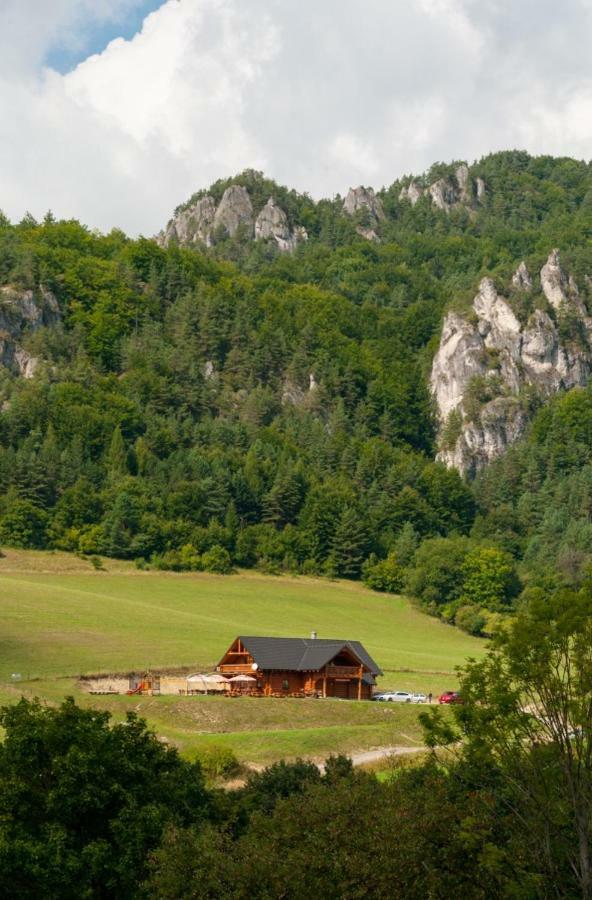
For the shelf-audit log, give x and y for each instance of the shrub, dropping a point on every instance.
(470, 618)
(218, 560)
(23, 525)
(217, 761)
(186, 559)
(384, 574)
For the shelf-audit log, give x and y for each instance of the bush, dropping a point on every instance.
(470, 618)
(217, 761)
(217, 560)
(186, 559)
(24, 525)
(384, 574)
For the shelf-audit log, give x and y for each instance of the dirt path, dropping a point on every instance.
(366, 757)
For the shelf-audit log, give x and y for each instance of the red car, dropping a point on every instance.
(450, 697)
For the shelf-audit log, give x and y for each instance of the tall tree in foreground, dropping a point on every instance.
(526, 724)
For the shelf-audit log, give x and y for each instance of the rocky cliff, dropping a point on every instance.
(492, 366)
(460, 189)
(363, 202)
(204, 222)
(22, 312)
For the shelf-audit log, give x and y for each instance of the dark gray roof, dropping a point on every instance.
(303, 654)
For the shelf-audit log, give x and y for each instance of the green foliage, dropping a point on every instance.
(84, 801)
(489, 578)
(218, 761)
(470, 618)
(434, 578)
(217, 559)
(524, 728)
(451, 430)
(463, 581)
(384, 575)
(23, 524)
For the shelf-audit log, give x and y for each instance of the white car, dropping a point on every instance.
(418, 698)
(395, 696)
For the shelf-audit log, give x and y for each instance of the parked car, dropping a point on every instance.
(418, 698)
(395, 696)
(450, 697)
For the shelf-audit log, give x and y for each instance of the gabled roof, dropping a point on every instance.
(303, 654)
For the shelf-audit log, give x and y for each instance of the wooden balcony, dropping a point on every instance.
(237, 669)
(343, 671)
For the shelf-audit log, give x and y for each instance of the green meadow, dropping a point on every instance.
(60, 619)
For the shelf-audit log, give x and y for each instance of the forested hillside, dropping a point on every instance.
(235, 405)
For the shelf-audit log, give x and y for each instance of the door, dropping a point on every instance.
(341, 688)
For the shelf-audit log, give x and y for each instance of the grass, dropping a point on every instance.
(59, 619)
(258, 730)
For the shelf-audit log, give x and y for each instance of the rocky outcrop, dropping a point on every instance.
(362, 199)
(21, 313)
(235, 209)
(458, 190)
(272, 225)
(192, 225)
(488, 357)
(521, 279)
(203, 222)
(412, 192)
(295, 395)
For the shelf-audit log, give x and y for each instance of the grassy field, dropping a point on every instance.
(59, 619)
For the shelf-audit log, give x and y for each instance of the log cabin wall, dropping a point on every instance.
(341, 677)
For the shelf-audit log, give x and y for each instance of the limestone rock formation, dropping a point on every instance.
(203, 222)
(458, 190)
(22, 312)
(361, 198)
(521, 278)
(443, 194)
(272, 225)
(235, 209)
(488, 357)
(192, 225)
(413, 192)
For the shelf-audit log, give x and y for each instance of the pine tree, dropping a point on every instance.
(117, 456)
(349, 543)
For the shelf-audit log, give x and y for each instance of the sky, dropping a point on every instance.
(116, 111)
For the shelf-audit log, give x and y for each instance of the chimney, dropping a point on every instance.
(313, 635)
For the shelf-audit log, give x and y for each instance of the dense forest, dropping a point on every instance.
(236, 406)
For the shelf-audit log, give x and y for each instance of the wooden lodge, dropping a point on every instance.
(299, 667)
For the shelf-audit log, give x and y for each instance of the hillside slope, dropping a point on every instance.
(245, 401)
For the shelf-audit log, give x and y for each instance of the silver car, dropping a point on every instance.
(394, 696)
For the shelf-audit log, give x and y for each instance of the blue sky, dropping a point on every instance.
(95, 37)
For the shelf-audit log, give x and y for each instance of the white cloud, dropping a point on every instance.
(321, 95)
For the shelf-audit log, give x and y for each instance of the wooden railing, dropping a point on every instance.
(237, 668)
(343, 671)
